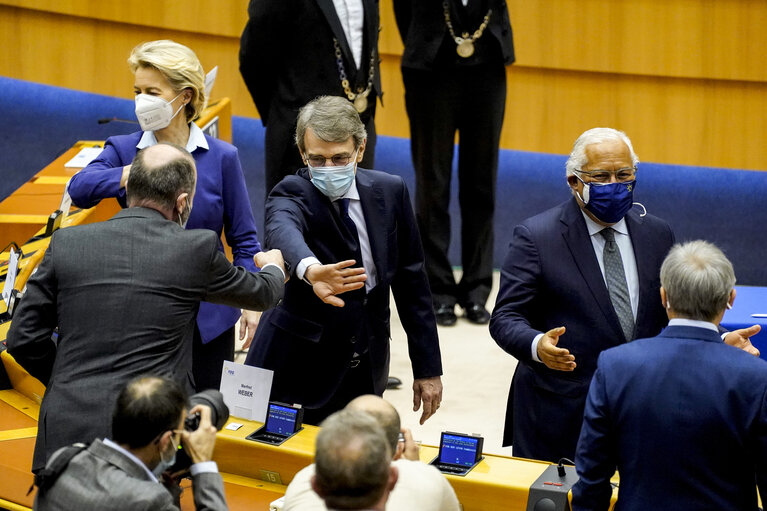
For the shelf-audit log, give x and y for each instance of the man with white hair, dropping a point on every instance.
(579, 278)
(682, 416)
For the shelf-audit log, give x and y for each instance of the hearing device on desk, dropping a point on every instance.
(282, 422)
(458, 453)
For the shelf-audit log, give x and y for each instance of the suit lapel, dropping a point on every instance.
(329, 10)
(646, 271)
(577, 239)
(374, 210)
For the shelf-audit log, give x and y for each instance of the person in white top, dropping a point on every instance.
(419, 486)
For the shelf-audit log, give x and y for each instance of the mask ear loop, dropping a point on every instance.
(644, 209)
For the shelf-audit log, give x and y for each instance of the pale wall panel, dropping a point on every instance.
(216, 17)
(723, 39)
(675, 120)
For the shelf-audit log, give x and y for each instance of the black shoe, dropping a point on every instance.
(393, 383)
(445, 314)
(476, 313)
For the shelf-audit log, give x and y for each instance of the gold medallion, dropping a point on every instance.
(465, 48)
(360, 103)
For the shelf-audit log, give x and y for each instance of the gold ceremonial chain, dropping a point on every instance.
(465, 43)
(360, 99)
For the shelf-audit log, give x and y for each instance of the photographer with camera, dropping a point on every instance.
(151, 420)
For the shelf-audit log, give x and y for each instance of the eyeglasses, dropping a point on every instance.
(338, 160)
(604, 176)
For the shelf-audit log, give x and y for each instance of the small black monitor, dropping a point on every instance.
(458, 453)
(282, 422)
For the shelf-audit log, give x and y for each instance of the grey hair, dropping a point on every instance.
(578, 158)
(332, 119)
(352, 460)
(698, 279)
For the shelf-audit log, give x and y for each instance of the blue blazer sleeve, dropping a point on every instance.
(595, 458)
(100, 179)
(239, 224)
(520, 274)
(410, 287)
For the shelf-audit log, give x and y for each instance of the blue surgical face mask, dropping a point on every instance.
(334, 181)
(608, 202)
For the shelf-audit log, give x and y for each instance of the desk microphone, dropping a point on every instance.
(106, 120)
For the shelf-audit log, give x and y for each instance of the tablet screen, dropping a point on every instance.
(458, 450)
(281, 420)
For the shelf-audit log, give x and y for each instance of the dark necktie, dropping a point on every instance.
(349, 223)
(616, 283)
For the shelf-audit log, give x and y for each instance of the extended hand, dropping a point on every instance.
(555, 358)
(428, 391)
(248, 325)
(740, 339)
(329, 280)
(273, 256)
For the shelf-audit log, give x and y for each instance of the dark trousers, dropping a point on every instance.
(208, 359)
(284, 159)
(357, 382)
(469, 100)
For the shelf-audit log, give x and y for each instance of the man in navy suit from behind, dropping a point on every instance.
(343, 229)
(682, 415)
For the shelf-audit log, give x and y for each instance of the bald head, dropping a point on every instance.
(147, 407)
(160, 174)
(383, 412)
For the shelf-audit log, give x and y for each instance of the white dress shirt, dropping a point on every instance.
(196, 139)
(351, 15)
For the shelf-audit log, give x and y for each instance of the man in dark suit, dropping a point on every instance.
(124, 294)
(325, 350)
(682, 416)
(579, 278)
(455, 81)
(292, 52)
(120, 472)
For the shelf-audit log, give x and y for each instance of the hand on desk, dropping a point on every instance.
(741, 339)
(559, 359)
(428, 391)
(329, 280)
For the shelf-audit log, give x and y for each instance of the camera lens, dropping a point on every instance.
(213, 399)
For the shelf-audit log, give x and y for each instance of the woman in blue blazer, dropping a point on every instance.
(170, 95)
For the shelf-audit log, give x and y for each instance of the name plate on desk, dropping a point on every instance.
(246, 390)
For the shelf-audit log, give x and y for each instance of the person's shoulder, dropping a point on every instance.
(650, 221)
(417, 469)
(129, 140)
(380, 177)
(547, 218)
(220, 146)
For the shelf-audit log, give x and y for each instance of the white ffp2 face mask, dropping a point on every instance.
(154, 113)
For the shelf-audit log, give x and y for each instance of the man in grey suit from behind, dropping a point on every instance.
(124, 294)
(119, 473)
